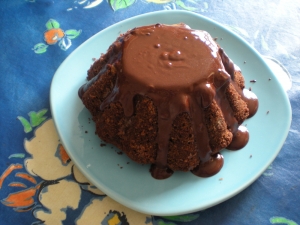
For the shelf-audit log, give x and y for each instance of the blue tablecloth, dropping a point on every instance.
(39, 183)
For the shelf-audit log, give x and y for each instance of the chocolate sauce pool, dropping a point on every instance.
(181, 70)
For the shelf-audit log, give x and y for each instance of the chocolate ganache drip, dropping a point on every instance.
(181, 70)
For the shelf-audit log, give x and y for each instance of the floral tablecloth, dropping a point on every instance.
(39, 184)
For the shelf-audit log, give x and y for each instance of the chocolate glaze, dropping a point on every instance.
(181, 70)
(240, 139)
(252, 102)
(227, 62)
(160, 173)
(210, 167)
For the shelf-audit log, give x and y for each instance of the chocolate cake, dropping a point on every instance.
(169, 96)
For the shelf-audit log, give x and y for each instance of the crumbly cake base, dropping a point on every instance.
(136, 135)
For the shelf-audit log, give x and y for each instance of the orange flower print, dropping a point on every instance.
(54, 34)
(22, 201)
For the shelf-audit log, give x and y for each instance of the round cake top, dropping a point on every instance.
(170, 57)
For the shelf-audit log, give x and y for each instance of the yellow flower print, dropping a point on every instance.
(47, 160)
(112, 213)
(62, 185)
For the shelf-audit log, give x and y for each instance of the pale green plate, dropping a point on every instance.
(132, 185)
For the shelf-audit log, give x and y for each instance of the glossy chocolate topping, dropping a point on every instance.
(240, 139)
(251, 99)
(162, 57)
(210, 167)
(181, 70)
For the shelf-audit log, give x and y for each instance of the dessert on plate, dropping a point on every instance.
(169, 96)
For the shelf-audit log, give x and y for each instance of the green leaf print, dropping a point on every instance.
(282, 220)
(40, 48)
(182, 5)
(183, 218)
(120, 4)
(52, 24)
(36, 118)
(17, 155)
(72, 33)
(25, 123)
(161, 222)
